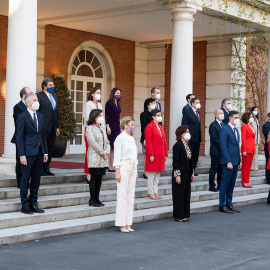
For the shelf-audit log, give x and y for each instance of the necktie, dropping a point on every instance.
(52, 101)
(221, 125)
(35, 121)
(235, 133)
(198, 117)
(157, 105)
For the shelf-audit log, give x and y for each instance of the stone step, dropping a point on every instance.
(68, 188)
(79, 225)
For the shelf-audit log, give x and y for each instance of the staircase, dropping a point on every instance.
(65, 200)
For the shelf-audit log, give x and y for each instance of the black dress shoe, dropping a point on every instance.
(35, 209)
(43, 174)
(93, 203)
(213, 189)
(27, 210)
(233, 209)
(100, 203)
(226, 210)
(50, 173)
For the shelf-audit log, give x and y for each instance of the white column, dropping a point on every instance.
(182, 61)
(21, 64)
(268, 83)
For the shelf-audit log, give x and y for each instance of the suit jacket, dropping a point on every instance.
(229, 146)
(28, 139)
(187, 106)
(266, 129)
(190, 119)
(17, 110)
(226, 116)
(51, 117)
(180, 163)
(248, 139)
(156, 146)
(214, 131)
(145, 119)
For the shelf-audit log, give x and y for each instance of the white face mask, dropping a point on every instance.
(255, 112)
(159, 119)
(229, 107)
(187, 136)
(237, 122)
(98, 96)
(35, 106)
(157, 96)
(198, 106)
(152, 107)
(251, 120)
(100, 120)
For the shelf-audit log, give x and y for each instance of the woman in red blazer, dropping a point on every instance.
(248, 148)
(156, 153)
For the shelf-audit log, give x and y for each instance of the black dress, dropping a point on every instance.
(181, 193)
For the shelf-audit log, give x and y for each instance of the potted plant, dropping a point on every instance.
(67, 120)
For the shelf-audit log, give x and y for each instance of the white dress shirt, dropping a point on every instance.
(124, 148)
(32, 115)
(48, 95)
(89, 106)
(236, 134)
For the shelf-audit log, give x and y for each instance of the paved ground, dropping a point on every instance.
(209, 241)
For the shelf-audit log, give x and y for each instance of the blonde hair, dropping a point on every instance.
(125, 121)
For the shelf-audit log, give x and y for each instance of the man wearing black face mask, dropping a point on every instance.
(49, 108)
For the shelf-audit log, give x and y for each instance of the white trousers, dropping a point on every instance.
(153, 179)
(255, 159)
(126, 193)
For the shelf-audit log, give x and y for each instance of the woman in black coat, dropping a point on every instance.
(182, 175)
(146, 118)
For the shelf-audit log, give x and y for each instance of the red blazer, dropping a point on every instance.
(155, 146)
(248, 139)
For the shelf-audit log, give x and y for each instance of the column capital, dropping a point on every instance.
(183, 10)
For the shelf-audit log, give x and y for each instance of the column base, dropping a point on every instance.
(7, 166)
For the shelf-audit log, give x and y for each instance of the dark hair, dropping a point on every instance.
(23, 91)
(112, 97)
(154, 89)
(92, 91)
(268, 115)
(252, 109)
(224, 101)
(45, 82)
(193, 100)
(93, 115)
(232, 113)
(147, 102)
(245, 117)
(179, 131)
(188, 96)
(155, 112)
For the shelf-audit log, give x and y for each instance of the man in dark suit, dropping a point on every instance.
(189, 97)
(230, 160)
(266, 130)
(49, 109)
(226, 106)
(192, 119)
(155, 94)
(17, 110)
(32, 151)
(215, 151)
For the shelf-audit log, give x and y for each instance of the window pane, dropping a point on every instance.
(76, 61)
(79, 96)
(90, 85)
(79, 85)
(73, 70)
(78, 139)
(95, 63)
(79, 107)
(71, 142)
(82, 56)
(78, 117)
(79, 128)
(72, 85)
(98, 85)
(99, 73)
(85, 70)
(72, 95)
(89, 57)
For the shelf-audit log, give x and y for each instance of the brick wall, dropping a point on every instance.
(61, 42)
(3, 57)
(199, 84)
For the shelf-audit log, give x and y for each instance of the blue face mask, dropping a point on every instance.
(51, 89)
(221, 117)
(131, 130)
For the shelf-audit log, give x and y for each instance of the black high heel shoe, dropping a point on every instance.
(144, 176)
(93, 203)
(100, 203)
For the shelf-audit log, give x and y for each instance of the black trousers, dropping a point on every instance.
(18, 168)
(50, 137)
(195, 150)
(266, 159)
(94, 186)
(216, 167)
(33, 170)
(268, 200)
(181, 200)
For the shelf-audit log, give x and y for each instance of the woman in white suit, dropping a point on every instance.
(125, 163)
(254, 111)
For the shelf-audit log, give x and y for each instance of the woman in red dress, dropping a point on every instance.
(156, 153)
(248, 148)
